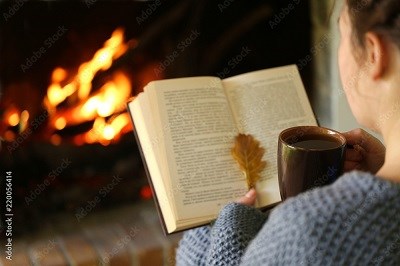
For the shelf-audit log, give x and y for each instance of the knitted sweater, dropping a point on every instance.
(354, 221)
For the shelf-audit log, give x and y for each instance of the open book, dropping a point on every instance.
(186, 129)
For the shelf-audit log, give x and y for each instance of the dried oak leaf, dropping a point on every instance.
(248, 154)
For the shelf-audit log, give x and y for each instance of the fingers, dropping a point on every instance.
(364, 139)
(249, 199)
(354, 158)
(350, 166)
(367, 153)
(355, 154)
(355, 136)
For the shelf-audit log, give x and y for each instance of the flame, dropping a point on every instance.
(13, 119)
(60, 123)
(102, 60)
(112, 49)
(106, 106)
(12, 116)
(57, 94)
(103, 132)
(24, 120)
(110, 98)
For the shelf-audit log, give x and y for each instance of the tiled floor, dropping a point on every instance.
(129, 235)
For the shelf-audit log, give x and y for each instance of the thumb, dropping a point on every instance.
(249, 199)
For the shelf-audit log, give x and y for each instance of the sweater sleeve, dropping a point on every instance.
(194, 247)
(225, 242)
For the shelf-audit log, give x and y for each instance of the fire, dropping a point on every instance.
(13, 119)
(110, 98)
(102, 60)
(71, 100)
(105, 131)
(105, 106)
(60, 123)
(12, 116)
(82, 82)
(24, 120)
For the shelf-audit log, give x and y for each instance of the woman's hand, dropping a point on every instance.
(249, 199)
(367, 153)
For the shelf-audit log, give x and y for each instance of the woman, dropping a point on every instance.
(356, 220)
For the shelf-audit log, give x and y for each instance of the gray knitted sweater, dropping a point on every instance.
(355, 221)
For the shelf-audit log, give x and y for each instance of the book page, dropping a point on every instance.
(144, 126)
(264, 103)
(198, 131)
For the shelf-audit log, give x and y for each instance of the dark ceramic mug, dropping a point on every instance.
(308, 157)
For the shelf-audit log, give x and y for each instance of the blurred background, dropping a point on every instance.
(67, 70)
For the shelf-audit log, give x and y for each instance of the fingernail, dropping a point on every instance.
(251, 193)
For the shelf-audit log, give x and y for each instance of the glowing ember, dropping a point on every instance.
(58, 75)
(55, 139)
(9, 135)
(60, 123)
(13, 119)
(23, 123)
(145, 192)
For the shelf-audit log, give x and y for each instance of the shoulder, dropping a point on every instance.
(353, 196)
(345, 195)
(316, 226)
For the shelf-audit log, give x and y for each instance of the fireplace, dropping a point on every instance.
(69, 67)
